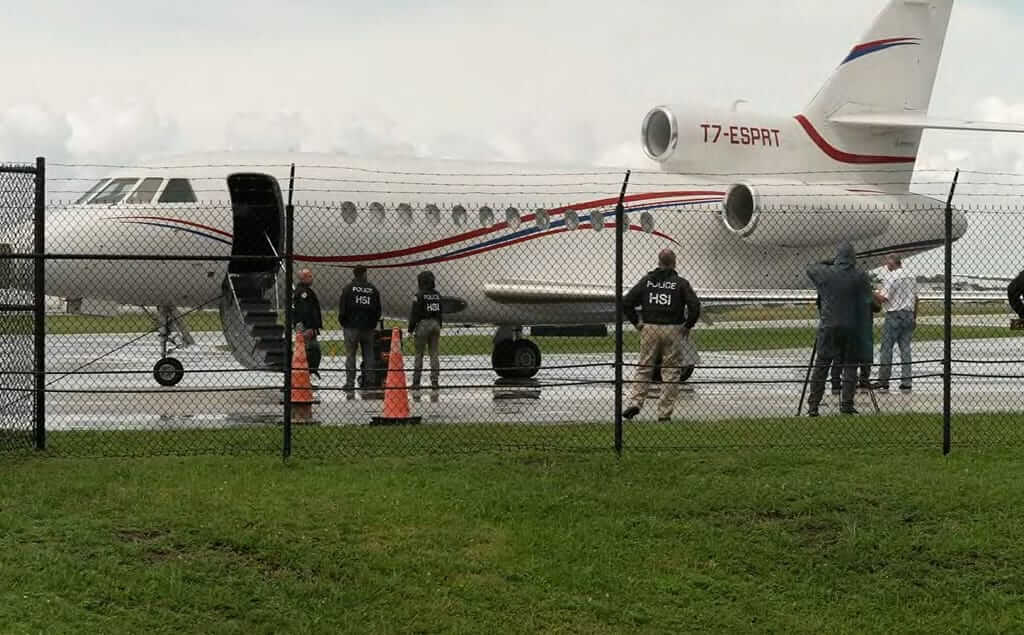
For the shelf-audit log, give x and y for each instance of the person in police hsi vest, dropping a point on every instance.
(425, 326)
(307, 318)
(358, 313)
(1014, 293)
(670, 309)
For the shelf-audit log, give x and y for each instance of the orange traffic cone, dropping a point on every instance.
(302, 387)
(396, 397)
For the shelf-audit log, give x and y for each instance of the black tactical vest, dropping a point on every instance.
(430, 305)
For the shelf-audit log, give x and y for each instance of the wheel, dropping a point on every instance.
(516, 359)
(526, 359)
(168, 371)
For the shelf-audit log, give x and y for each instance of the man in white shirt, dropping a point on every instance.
(899, 300)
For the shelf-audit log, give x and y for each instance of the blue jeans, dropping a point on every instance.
(897, 330)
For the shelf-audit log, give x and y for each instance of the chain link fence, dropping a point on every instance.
(171, 319)
(21, 321)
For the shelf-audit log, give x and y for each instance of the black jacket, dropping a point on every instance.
(306, 308)
(844, 290)
(426, 305)
(359, 307)
(1014, 292)
(665, 298)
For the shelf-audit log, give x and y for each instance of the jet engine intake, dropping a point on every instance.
(797, 215)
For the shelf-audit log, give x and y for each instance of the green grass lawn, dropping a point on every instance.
(802, 541)
(209, 320)
(708, 339)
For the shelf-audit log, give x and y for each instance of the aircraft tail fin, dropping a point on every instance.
(891, 70)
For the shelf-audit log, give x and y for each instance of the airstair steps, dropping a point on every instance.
(251, 322)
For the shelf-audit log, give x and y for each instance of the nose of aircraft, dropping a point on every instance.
(959, 224)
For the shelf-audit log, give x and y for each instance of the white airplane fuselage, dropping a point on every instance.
(464, 252)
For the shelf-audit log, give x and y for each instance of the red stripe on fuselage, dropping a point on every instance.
(444, 242)
(437, 259)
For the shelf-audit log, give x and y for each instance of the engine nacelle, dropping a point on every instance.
(702, 139)
(802, 215)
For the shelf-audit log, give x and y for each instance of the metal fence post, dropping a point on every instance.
(947, 326)
(620, 215)
(289, 317)
(39, 304)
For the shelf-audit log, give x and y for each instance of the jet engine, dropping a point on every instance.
(706, 139)
(802, 215)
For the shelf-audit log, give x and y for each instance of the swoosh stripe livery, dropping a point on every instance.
(476, 233)
(846, 157)
(178, 228)
(706, 197)
(880, 45)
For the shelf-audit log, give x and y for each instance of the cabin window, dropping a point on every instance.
(178, 191)
(572, 221)
(146, 191)
(114, 192)
(543, 219)
(349, 213)
(433, 214)
(596, 221)
(647, 222)
(92, 190)
(512, 218)
(405, 212)
(459, 215)
(377, 211)
(486, 216)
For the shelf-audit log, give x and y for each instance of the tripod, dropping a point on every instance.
(807, 380)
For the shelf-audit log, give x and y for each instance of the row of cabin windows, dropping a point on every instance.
(138, 191)
(349, 213)
(142, 191)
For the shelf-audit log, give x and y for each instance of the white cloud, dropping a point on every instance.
(31, 130)
(266, 132)
(119, 129)
(530, 81)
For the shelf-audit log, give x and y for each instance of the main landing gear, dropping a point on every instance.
(514, 357)
(169, 371)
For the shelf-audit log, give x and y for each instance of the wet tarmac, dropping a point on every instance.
(95, 387)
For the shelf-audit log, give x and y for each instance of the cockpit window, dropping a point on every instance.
(92, 190)
(178, 191)
(146, 191)
(114, 191)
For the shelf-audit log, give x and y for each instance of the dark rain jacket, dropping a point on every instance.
(665, 298)
(846, 300)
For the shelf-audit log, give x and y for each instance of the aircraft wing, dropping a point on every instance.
(920, 121)
(528, 292)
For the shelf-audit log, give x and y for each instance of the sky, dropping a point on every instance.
(562, 81)
(566, 81)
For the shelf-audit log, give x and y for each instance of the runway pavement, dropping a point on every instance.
(115, 390)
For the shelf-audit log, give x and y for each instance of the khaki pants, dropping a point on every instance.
(428, 336)
(667, 340)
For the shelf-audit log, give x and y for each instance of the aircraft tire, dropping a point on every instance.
(168, 371)
(516, 359)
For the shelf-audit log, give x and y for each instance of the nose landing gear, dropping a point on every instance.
(169, 371)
